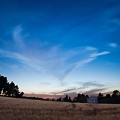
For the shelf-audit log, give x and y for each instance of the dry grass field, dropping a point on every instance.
(23, 109)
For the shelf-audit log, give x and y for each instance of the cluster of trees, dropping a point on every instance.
(9, 89)
(80, 98)
(114, 98)
(65, 99)
(111, 99)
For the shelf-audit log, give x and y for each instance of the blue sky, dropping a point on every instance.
(60, 47)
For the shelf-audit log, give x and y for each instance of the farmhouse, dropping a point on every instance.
(92, 99)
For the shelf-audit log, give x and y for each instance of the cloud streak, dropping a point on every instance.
(113, 45)
(18, 37)
(55, 60)
(91, 83)
(94, 91)
(99, 54)
(97, 86)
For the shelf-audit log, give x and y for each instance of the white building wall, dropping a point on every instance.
(92, 100)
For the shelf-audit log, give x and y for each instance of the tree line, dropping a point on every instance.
(79, 98)
(9, 89)
(12, 90)
(113, 99)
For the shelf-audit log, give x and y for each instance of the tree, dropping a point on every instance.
(9, 89)
(3, 83)
(100, 97)
(107, 98)
(116, 93)
(19, 95)
(69, 100)
(87, 96)
(81, 98)
(78, 98)
(116, 96)
(65, 99)
(59, 99)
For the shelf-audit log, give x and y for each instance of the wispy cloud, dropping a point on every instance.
(91, 83)
(17, 36)
(88, 85)
(20, 58)
(64, 91)
(55, 60)
(99, 54)
(94, 91)
(113, 45)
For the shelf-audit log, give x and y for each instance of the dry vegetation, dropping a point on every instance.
(22, 109)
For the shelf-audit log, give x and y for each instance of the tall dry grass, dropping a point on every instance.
(22, 109)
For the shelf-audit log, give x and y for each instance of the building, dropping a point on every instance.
(92, 99)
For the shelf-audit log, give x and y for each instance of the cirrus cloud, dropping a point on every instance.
(55, 60)
(113, 45)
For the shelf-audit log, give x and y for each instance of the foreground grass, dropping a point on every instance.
(22, 109)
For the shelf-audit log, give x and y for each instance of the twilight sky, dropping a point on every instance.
(60, 47)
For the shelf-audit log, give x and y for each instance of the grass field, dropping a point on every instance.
(23, 109)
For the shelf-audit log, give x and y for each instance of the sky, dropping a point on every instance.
(58, 47)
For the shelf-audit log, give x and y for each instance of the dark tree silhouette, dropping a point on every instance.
(9, 89)
(59, 99)
(116, 93)
(80, 98)
(3, 83)
(100, 97)
(87, 96)
(65, 99)
(108, 98)
(69, 100)
(116, 96)
(114, 99)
